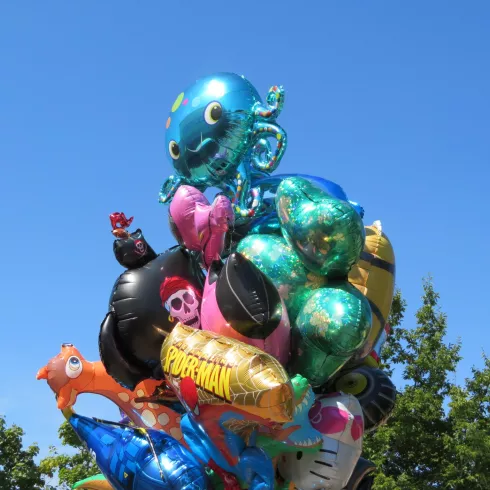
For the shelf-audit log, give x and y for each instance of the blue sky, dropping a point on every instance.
(388, 99)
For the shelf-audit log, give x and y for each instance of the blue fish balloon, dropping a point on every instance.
(139, 459)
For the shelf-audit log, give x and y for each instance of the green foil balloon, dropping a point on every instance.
(280, 263)
(326, 233)
(332, 324)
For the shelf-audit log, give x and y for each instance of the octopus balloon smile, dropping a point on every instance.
(215, 138)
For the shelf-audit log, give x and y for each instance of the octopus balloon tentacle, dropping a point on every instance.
(246, 201)
(217, 136)
(169, 188)
(275, 103)
(261, 128)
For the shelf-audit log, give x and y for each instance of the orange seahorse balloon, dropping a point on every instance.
(69, 374)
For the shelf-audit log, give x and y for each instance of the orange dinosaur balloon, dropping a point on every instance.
(69, 374)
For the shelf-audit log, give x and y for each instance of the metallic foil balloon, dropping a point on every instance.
(298, 435)
(240, 302)
(228, 372)
(326, 233)
(330, 327)
(132, 333)
(69, 375)
(374, 390)
(374, 276)
(280, 263)
(217, 134)
(97, 482)
(338, 417)
(139, 459)
(271, 183)
(199, 226)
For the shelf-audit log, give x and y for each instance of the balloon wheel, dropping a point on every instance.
(374, 390)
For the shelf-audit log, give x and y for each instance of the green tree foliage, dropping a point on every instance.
(69, 468)
(439, 434)
(468, 464)
(18, 470)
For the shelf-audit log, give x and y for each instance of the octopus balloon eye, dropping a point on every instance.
(174, 150)
(213, 113)
(73, 367)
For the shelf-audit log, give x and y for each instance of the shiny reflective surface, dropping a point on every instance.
(226, 371)
(217, 136)
(325, 232)
(330, 327)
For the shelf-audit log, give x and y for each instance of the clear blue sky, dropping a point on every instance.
(388, 99)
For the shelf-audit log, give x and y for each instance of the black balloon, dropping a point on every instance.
(246, 298)
(134, 251)
(132, 333)
(374, 390)
(361, 478)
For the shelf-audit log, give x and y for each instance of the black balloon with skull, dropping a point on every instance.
(145, 304)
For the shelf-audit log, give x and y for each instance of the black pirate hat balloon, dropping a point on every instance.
(138, 322)
(130, 249)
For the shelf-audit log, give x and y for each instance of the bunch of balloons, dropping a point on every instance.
(246, 356)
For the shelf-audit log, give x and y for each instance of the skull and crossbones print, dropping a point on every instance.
(182, 301)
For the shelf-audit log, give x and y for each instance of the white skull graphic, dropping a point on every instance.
(184, 306)
(140, 247)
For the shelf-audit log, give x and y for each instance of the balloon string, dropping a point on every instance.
(152, 447)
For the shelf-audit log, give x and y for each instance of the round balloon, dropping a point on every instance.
(282, 265)
(326, 233)
(330, 327)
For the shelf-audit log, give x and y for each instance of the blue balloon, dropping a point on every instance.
(139, 459)
(217, 134)
(253, 465)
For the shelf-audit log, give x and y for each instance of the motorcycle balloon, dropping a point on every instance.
(240, 302)
(332, 324)
(374, 390)
(326, 233)
(132, 333)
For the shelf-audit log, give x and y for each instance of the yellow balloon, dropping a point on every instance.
(228, 372)
(374, 276)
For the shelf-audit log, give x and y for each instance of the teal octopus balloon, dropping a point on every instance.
(332, 324)
(217, 136)
(327, 233)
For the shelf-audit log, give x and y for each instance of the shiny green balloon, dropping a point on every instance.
(280, 263)
(326, 233)
(332, 324)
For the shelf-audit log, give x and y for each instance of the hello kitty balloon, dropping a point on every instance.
(339, 418)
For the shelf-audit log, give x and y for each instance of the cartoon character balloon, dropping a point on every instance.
(339, 418)
(216, 137)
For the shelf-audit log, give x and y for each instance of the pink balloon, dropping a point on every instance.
(201, 226)
(328, 420)
(277, 344)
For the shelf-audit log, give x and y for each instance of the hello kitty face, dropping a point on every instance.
(338, 417)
